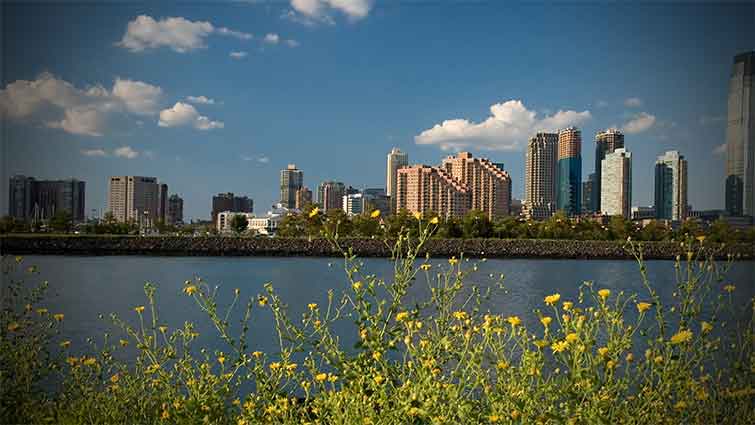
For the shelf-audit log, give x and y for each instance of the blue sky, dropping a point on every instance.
(90, 91)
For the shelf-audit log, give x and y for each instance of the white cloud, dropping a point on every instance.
(177, 33)
(184, 114)
(633, 102)
(238, 55)
(86, 111)
(601, 104)
(639, 123)
(262, 159)
(720, 149)
(510, 123)
(272, 38)
(93, 152)
(292, 43)
(126, 152)
(307, 11)
(200, 100)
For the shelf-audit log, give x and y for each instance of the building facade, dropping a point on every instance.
(20, 197)
(303, 198)
(291, 180)
(376, 199)
(740, 138)
(330, 195)
(230, 202)
(616, 183)
(489, 186)
(671, 186)
(569, 197)
(605, 142)
(31, 199)
(540, 176)
(423, 189)
(587, 194)
(353, 204)
(175, 215)
(396, 160)
(135, 198)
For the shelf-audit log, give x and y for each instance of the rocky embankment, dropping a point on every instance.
(230, 246)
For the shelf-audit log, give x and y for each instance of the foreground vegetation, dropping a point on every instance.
(603, 357)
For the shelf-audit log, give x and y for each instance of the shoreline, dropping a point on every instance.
(172, 246)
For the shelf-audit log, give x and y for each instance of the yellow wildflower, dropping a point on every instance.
(275, 366)
(643, 307)
(514, 320)
(13, 326)
(375, 214)
(400, 317)
(460, 315)
(515, 414)
(190, 290)
(357, 285)
(706, 327)
(493, 418)
(65, 344)
(552, 299)
(314, 212)
(729, 288)
(567, 305)
(123, 342)
(604, 293)
(291, 367)
(115, 378)
(262, 300)
(59, 317)
(452, 261)
(571, 337)
(434, 220)
(503, 365)
(658, 359)
(425, 267)
(312, 306)
(221, 359)
(378, 379)
(603, 351)
(680, 405)
(610, 364)
(163, 329)
(321, 377)
(377, 355)
(701, 238)
(683, 335)
(42, 311)
(630, 357)
(546, 320)
(257, 354)
(89, 361)
(72, 361)
(165, 415)
(139, 309)
(559, 346)
(332, 378)
(418, 215)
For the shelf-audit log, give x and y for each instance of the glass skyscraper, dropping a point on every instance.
(740, 138)
(605, 143)
(570, 171)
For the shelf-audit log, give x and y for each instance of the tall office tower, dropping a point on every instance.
(20, 197)
(489, 186)
(52, 196)
(396, 160)
(605, 142)
(330, 195)
(134, 198)
(616, 183)
(175, 210)
(569, 196)
(671, 186)
(540, 176)
(162, 205)
(303, 198)
(292, 179)
(230, 202)
(587, 194)
(740, 138)
(423, 189)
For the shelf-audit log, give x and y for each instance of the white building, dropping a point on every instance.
(616, 183)
(353, 204)
(396, 160)
(136, 198)
(671, 186)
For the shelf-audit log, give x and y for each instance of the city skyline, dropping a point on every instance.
(203, 134)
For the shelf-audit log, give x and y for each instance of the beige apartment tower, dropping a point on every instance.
(616, 183)
(396, 160)
(423, 189)
(540, 176)
(135, 198)
(489, 186)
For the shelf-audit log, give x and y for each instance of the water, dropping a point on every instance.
(84, 287)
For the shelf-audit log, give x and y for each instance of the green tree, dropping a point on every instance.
(476, 224)
(62, 221)
(239, 223)
(450, 228)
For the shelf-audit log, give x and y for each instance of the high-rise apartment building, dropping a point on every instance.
(21, 197)
(489, 186)
(569, 195)
(292, 179)
(162, 204)
(396, 160)
(671, 186)
(175, 215)
(135, 198)
(302, 198)
(330, 195)
(423, 189)
(605, 142)
(540, 176)
(616, 183)
(31, 199)
(587, 194)
(230, 202)
(740, 138)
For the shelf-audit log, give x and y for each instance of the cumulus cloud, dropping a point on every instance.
(86, 111)
(200, 100)
(639, 123)
(177, 33)
(720, 149)
(309, 11)
(272, 38)
(256, 158)
(633, 102)
(510, 123)
(292, 43)
(93, 152)
(238, 55)
(183, 114)
(126, 152)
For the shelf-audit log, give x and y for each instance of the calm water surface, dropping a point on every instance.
(84, 287)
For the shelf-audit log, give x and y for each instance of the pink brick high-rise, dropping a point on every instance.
(489, 186)
(424, 189)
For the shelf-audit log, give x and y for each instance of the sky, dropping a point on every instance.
(214, 97)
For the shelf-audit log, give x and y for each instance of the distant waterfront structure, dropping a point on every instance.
(489, 186)
(291, 180)
(587, 194)
(569, 196)
(643, 213)
(740, 138)
(135, 198)
(31, 199)
(540, 176)
(616, 183)
(330, 195)
(302, 198)
(175, 214)
(230, 202)
(353, 204)
(671, 186)
(605, 142)
(424, 189)
(162, 203)
(376, 199)
(396, 160)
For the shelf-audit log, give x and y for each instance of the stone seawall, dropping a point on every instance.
(230, 246)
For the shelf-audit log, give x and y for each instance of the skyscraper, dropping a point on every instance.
(162, 204)
(230, 202)
(740, 138)
(175, 210)
(671, 186)
(587, 194)
(540, 176)
(422, 189)
(569, 198)
(20, 197)
(134, 198)
(330, 195)
(292, 179)
(303, 197)
(605, 142)
(489, 186)
(30, 199)
(616, 183)
(396, 160)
